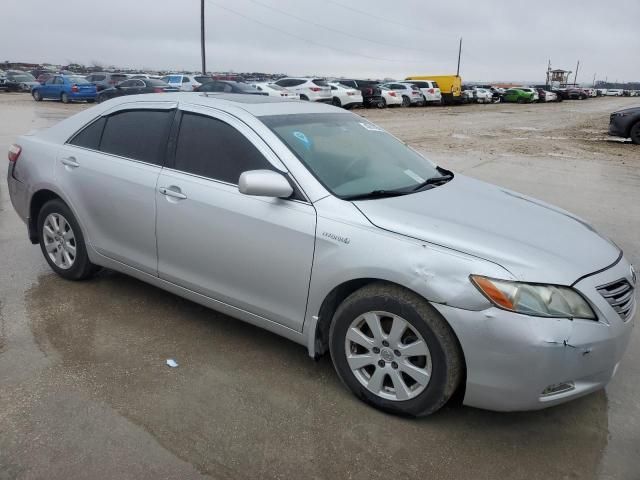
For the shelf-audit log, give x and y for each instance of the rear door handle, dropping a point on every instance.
(70, 162)
(173, 192)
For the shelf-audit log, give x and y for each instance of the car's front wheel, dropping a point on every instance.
(62, 242)
(36, 96)
(395, 351)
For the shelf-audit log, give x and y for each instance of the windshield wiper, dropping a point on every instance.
(375, 194)
(434, 181)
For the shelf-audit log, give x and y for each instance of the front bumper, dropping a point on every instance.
(511, 358)
(618, 126)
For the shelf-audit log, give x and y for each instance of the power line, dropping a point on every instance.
(363, 12)
(341, 50)
(331, 29)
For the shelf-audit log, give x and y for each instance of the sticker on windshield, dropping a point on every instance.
(303, 138)
(414, 176)
(371, 127)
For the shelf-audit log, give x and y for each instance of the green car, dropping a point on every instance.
(515, 95)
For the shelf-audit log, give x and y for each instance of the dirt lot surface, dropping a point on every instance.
(85, 393)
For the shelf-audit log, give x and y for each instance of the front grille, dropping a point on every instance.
(620, 296)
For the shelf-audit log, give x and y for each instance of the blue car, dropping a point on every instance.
(66, 88)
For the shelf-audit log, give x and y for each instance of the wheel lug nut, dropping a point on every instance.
(394, 365)
(396, 353)
(376, 350)
(385, 343)
(381, 363)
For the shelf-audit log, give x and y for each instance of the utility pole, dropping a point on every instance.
(548, 71)
(575, 78)
(594, 80)
(204, 62)
(459, 54)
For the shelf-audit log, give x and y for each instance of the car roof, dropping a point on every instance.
(256, 105)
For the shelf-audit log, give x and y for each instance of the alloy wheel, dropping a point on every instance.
(388, 356)
(59, 241)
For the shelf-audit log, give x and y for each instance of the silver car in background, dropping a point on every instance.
(318, 225)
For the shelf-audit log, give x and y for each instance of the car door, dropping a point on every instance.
(47, 89)
(109, 171)
(253, 253)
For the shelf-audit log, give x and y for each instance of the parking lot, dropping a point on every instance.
(86, 392)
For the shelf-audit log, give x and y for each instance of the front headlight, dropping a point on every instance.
(534, 299)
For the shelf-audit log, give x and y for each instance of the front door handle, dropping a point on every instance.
(173, 192)
(70, 162)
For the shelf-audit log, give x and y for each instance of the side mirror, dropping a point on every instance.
(264, 183)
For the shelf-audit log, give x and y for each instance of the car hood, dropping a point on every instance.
(629, 110)
(535, 241)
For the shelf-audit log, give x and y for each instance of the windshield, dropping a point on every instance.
(152, 82)
(349, 155)
(23, 77)
(273, 86)
(245, 88)
(78, 80)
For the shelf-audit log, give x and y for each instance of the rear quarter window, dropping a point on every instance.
(89, 137)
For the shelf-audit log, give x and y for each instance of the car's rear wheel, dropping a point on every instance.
(395, 351)
(64, 97)
(62, 242)
(336, 102)
(304, 97)
(382, 103)
(635, 133)
(406, 101)
(36, 96)
(520, 100)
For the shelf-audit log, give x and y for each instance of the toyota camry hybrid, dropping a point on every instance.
(315, 224)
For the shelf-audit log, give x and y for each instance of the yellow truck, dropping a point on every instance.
(450, 86)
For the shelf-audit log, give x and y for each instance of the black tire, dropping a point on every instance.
(36, 96)
(382, 103)
(336, 102)
(521, 100)
(634, 133)
(64, 97)
(446, 356)
(406, 101)
(304, 97)
(91, 100)
(81, 268)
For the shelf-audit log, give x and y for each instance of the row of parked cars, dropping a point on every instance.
(346, 93)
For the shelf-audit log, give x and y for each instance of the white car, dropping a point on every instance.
(184, 83)
(430, 91)
(274, 90)
(614, 92)
(483, 95)
(550, 96)
(410, 94)
(536, 96)
(344, 96)
(312, 89)
(390, 98)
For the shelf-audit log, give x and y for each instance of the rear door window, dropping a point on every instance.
(138, 134)
(211, 148)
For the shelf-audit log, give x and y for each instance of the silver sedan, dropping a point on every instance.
(318, 225)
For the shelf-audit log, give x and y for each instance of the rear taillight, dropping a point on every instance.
(393, 94)
(74, 88)
(14, 152)
(158, 90)
(431, 90)
(315, 89)
(351, 93)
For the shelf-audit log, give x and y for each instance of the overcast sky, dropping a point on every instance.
(502, 40)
